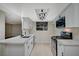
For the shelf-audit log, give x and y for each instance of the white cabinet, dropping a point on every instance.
(1, 49)
(27, 24)
(68, 48)
(60, 50)
(71, 50)
(2, 25)
(71, 14)
(29, 46)
(76, 15)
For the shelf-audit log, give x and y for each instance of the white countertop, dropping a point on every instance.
(68, 42)
(14, 40)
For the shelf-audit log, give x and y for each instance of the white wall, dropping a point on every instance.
(43, 36)
(75, 31)
(2, 25)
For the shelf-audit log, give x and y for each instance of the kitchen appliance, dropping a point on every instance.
(64, 36)
(60, 23)
(54, 43)
(67, 35)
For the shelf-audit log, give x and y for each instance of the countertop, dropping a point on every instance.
(15, 40)
(68, 42)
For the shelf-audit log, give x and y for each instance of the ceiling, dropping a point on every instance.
(15, 11)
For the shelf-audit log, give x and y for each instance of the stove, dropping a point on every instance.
(54, 42)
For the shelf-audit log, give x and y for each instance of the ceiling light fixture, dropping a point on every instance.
(41, 13)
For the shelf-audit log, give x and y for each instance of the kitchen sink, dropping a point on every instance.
(25, 36)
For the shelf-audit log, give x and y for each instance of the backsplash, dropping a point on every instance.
(75, 31)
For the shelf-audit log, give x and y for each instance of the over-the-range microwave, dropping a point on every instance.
(60, 23)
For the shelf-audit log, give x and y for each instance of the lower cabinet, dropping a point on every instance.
(60, 50)
(1, 49)
(71, 50)
(29, 47)
(68, 50)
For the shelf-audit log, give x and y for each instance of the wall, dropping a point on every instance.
(43, 36)
(75, 31)
(12, 30)
(2, 25)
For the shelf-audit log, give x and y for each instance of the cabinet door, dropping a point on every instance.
(60, 49)
(27, 23)
(2, 48)
(2, 25)
(69, 16)
(72, 50)
(30, 45)
(26, 49)
(76, 14)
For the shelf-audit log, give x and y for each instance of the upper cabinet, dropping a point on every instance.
(76, 14)
(2, 25)
(26, 23)
(71, 14)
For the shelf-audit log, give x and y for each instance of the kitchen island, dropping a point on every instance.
(16, 46)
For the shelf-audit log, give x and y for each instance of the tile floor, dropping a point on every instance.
(42, 50)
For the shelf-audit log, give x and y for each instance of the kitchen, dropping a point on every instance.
(39, 24)
(66, 30)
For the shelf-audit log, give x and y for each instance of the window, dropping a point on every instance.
(42, 26)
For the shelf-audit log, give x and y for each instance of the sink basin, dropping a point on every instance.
(25, 36)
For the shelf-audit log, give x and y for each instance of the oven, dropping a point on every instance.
(54, 43)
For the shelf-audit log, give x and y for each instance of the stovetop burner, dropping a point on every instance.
(60, 37)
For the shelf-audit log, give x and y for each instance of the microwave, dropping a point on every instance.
(60, 23)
